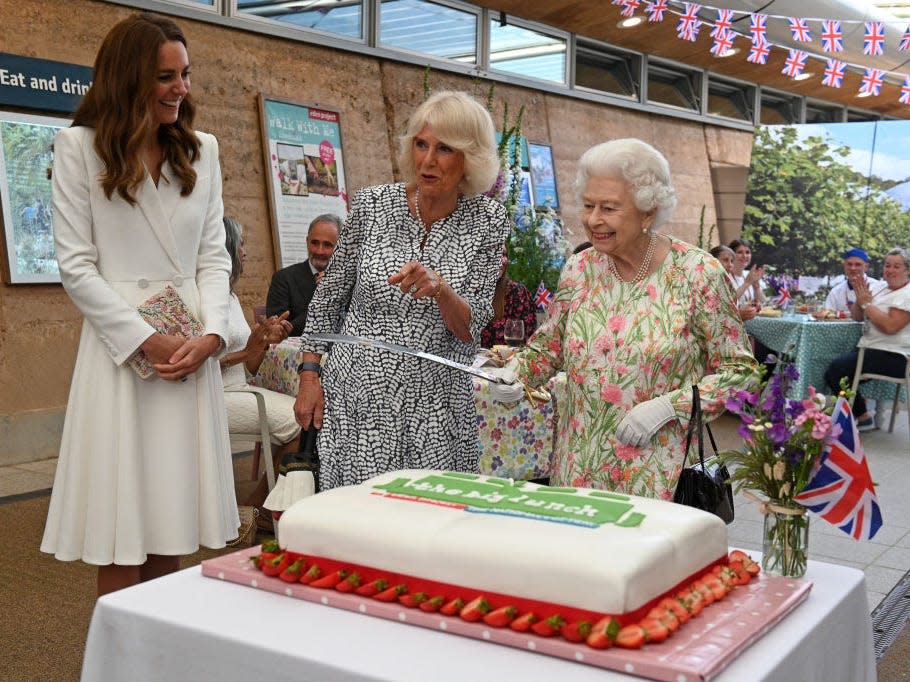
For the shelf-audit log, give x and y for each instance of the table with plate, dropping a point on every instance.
(812, 345)
(516, 440)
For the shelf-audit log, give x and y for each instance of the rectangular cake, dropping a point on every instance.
(577, 552)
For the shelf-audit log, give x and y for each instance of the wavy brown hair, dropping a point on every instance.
(116, 106)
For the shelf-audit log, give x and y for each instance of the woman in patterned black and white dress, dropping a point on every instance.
(416, 265)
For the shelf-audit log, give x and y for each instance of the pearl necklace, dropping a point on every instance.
(417, 207)
(645, 264)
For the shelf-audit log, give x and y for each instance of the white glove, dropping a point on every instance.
(511, 391)
(643, 421)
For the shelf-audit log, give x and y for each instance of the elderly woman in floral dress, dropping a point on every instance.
(636, 321)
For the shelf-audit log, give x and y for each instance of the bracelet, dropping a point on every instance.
(310, 367)
(438, 290)
(863, 306)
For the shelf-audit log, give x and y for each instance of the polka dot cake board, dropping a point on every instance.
(698, 651)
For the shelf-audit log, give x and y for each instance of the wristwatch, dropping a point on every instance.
(863, 306)
(310, 367)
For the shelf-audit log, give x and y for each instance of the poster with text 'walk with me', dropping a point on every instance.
(302, 144)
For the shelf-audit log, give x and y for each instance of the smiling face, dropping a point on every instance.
(439, 167)
(743, 256)
(611, 219)
(172, 83)
(320, 243)
(726, 259)
(896, 273)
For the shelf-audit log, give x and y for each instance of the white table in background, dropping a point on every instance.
(189, 627)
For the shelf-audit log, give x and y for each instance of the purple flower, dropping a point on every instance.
(779, 433)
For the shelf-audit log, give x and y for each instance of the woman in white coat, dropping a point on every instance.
(144, 474)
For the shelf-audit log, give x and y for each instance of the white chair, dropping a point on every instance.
(263, 437)
(901, 382)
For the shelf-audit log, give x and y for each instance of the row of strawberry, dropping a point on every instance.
(660, 622)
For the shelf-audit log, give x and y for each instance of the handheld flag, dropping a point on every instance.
(783, 297)
(543, 298)
(841, 490)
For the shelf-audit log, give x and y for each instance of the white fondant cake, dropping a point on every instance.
(582, 548)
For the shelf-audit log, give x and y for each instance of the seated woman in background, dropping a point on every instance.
(727, 258)
(887, 314)
(748, 284)
(511, 301)
(243, 355)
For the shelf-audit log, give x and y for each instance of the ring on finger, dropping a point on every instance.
(413, 289)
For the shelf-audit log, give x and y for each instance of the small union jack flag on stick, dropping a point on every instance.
(841, 489)
(832, 36)
(542, 298)
(758, 53)
(834, 73)
(656, 10)
(800, 30)
(872, 82)
(874, 42)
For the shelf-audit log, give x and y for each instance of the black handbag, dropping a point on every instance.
(706, 484)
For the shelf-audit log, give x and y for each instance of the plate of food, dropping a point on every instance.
(827, 315)
(770, 312)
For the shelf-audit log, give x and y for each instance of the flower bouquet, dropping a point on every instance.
(784, 439)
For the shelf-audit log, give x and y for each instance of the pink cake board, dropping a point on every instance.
(698, 651)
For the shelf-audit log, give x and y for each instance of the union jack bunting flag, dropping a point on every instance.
(722, 43)
(542, 298)
(758, 53)
(795, 63)
(687, 27)
(905, 91)
(629, 7)
(832, 37)
(841, 489)
(872, 81)
(905, 41)
(800, 30)
(723, 23)
(834, 73)
(874, 42)
(758, 28)
(656, 10)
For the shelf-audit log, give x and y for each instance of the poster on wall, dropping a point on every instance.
(26, 158)
(303, 155)
(543, 176)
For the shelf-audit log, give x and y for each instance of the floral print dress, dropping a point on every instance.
(518, 306)
(621, 344)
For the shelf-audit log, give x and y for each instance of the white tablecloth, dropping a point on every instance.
(189, 627)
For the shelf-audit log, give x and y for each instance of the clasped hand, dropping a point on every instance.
(174, 357)
(644, 420)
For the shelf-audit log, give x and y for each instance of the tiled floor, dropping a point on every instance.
(885, 559)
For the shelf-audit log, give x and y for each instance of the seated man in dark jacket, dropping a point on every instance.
(292, 287)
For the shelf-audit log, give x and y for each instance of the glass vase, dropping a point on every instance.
(785, 544)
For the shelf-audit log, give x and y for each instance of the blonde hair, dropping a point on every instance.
(462, 123)
(640, 166)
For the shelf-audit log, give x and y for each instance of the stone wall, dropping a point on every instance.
(39, 327)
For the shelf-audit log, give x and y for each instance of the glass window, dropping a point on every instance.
(341, 17)
(527, 53)
(816, 113)
(675, 87)
(428, 28)
(778, 109)
(730, 100)
(600, 68)
(860, 116)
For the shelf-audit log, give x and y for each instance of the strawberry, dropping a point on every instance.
(331, 580)
(631, 637)
(257, 560)
(271, 546)
(390, 593)
(275, 565)
(655, 631)
(665, 616)
(577, 631)
(501, 617)
(413, 599)
(292, 573)
(349, 584)
(738, 555)
(607, 625)
(312, 573)
(432, 605)
(599, 640)
(549, 626)
(718, 587)
(450, 608)
(742, 575)
(373, 587)
(705, 591)
(676, 606)
(475, 609)
(524, 622)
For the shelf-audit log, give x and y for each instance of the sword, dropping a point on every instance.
(404, 350)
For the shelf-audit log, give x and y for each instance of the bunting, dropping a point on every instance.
(874, 42)
(799, 28)
(688, 25)
(723, 43)
(834, 73)
(872, 82)
(795, 63)
(905, 41)
(656, 10)
(905, 91)
(832, 36)
(758, 27)
(629, 7)
(758, 53)
(723, 23)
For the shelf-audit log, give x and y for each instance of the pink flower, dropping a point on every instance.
(603, 344)
(652, 292)
(617, 323)
(627, 452)
(575, 346)
(616, 474)
(612, 394)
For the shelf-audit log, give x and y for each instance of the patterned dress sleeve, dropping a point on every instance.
(331, 297)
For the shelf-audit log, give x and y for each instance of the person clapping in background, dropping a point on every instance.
(636, 320)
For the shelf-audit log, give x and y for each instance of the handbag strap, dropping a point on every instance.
(695, 427)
